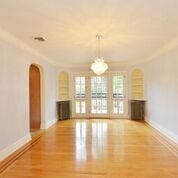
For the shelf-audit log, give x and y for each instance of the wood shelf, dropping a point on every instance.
(137, 84)
(63, 86)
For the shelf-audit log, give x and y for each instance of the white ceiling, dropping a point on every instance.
(131, 29)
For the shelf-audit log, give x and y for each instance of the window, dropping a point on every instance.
(80, 95)
(98, 95)
(118, 94)
(118, 107)
(80, 87)
(118, 86)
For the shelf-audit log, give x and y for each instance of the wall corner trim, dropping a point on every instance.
(15, 146)
(170, 135)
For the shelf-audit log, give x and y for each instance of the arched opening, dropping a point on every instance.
(35, 98)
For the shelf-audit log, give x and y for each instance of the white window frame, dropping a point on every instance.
(98, 115)
(74, 114)
(110, 113)
(124, 99)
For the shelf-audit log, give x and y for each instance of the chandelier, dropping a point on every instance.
(99, 66)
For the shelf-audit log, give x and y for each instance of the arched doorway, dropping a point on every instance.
(35, 98)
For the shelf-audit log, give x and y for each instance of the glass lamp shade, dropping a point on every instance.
(99, 66)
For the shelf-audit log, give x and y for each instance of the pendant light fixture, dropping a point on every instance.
(99, 66)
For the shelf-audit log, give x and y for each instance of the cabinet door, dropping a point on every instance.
(137, 110)
(65, 110)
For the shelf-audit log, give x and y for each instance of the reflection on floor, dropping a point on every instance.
(97, 148)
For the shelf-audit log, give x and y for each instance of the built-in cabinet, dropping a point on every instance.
(64, 109)
(63, 103)
(137, 109)
(137, 102)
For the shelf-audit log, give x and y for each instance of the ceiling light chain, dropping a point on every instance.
(99, 44)
(99, 66)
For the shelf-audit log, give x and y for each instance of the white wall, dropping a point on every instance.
(14, 95)
(162, 93)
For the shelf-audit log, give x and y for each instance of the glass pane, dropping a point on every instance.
(82, 90)
(115, 108)
(83, 107)
(99, 95)
(104, 106)
(80, 87)
(82, 80)
(77, 107)
(118, 86)
(98, 106)
(93, 104)
(121, 107)
(77, 80)
(118, 107)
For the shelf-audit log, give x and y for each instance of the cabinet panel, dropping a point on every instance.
(64, 109)
(137, 109)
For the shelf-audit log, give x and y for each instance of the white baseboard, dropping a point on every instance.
(163, 130)
(15, 146)
(50, 123)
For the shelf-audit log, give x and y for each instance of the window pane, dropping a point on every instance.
(80, 87)
(77, 80)
(99, 95)
(82, 80)
(115, 108)
(104, 106)
(118, 107)
(118, 86)
(77, 107)
(93, 105)
(83, 107)
(121, 107)
(80, 107)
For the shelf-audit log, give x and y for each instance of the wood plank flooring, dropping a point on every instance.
(97, 149)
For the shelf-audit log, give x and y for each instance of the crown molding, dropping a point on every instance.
(8, 37)
(165, 48)
(110, 64)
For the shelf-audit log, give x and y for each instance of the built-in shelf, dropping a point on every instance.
(137, 84)
(63, 86)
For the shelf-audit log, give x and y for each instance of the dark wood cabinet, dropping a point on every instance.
(64, 109)
(137, 109)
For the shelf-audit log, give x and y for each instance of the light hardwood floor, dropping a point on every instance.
(98, 148)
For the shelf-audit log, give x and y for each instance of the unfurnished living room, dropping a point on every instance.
(89, 89)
